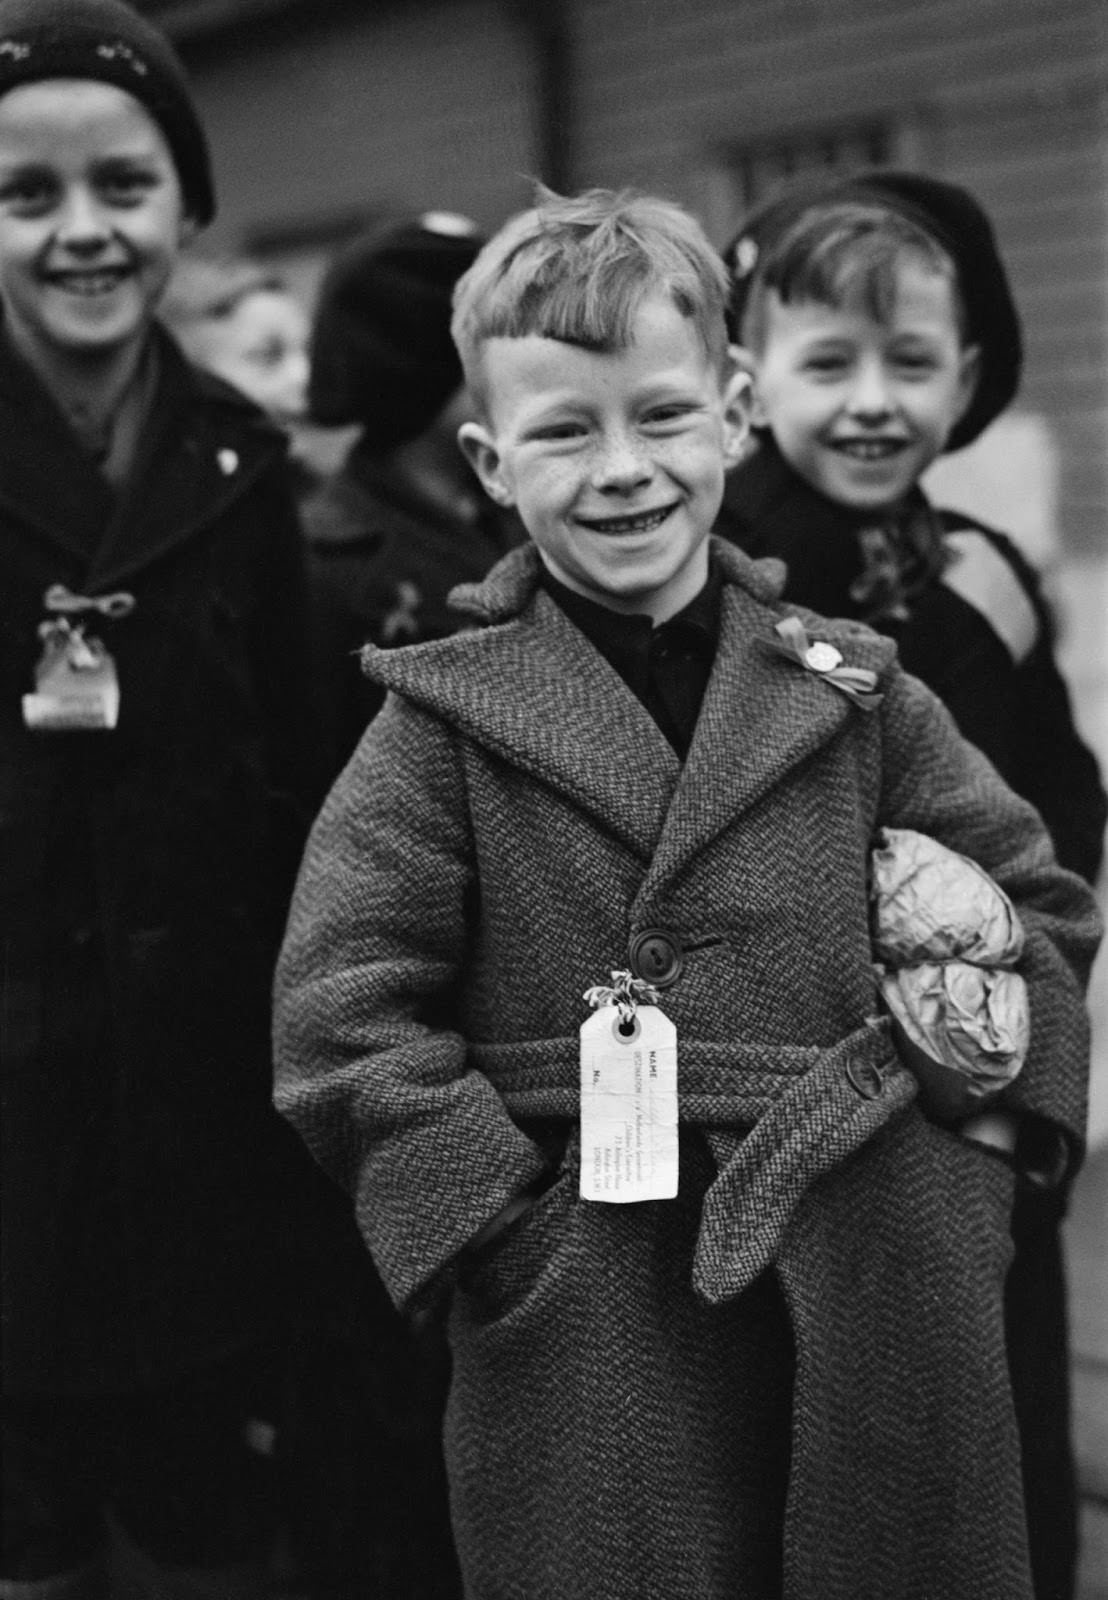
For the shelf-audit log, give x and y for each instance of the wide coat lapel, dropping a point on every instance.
(763, 715)
(530, 688)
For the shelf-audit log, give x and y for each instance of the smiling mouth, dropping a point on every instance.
(869, 449)
(641, 522)
(88, 283)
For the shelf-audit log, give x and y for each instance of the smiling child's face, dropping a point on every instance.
(860, 408)
(615, 461)
(91, 218)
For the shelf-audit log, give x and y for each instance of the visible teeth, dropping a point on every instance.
(639, 524)
(88, 283)
(870, 449)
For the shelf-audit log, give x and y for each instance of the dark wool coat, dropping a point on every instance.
(640, 1409)
(144, 876)
(382, 559)
(1016, 709)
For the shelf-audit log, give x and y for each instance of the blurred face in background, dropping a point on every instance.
(91, 220)
(260, 344)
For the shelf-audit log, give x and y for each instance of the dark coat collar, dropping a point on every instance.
(530, 687)
(203, 446)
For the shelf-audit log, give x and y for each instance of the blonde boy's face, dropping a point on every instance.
(615, 461)
(91, 217)
(860, 408)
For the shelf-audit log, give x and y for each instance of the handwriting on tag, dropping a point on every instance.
(628, 1107)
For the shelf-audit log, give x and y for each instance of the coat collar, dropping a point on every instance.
(529, 687)
(204, 445)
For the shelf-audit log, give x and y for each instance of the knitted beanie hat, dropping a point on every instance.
(106, 40)
(382, 354)
(950, 216)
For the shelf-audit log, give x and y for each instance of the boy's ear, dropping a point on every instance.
(969, 373)
(746, 361)
(737, 400)
(479, 447)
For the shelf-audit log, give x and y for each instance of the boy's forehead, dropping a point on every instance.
(662, 343)
(920, 294)
(64, 114)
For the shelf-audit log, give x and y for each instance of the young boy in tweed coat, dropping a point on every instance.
(789, 1380)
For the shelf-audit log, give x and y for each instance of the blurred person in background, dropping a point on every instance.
(880, 330)
(240, 320)
(156, 783)
(404, 519)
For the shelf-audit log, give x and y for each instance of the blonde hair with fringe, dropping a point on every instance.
(577, 269)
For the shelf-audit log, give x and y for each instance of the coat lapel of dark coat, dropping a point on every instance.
(193, 461)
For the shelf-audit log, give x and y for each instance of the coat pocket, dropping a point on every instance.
(504, 1273)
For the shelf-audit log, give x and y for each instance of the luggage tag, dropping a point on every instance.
(628, 1095)
(76, 686)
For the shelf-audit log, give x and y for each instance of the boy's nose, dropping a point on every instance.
(620, 463)
(869, 394)
(81, 225)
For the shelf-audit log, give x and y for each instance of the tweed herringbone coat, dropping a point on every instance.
(789, 1381)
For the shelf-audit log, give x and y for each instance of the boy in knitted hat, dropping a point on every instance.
(156, 788)
(403, 519)
(724, 1305)
(880, 330)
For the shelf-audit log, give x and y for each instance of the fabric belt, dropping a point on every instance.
(776, 1118)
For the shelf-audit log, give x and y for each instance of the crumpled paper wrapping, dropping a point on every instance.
(931, 904)
(945, 938)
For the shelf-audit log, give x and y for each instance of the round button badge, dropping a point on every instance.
(823, 657)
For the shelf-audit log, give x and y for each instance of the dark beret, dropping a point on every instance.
(955, 220)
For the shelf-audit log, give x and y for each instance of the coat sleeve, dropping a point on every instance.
(371, 1067)
(940, 784)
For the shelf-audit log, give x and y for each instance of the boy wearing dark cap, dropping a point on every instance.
(880, 331)
(404, 519)
(155, 791)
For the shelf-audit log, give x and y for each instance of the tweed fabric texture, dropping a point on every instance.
(639, 1409)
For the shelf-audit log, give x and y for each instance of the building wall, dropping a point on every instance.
(434, 105)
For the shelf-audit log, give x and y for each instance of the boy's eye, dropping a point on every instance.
(914, 360)
(29, 193)
(826, 363)
(674, 411)
(557, 432)
(124, 185)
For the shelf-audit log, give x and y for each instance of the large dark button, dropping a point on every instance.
(656, 956)
(866, 1077)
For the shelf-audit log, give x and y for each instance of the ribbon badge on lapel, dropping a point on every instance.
(826, 662)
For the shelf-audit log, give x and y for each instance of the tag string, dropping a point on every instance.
(625, 992)
(62, 601)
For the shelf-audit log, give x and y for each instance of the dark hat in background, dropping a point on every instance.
(107, 41)
(955, 220)
(382, 354)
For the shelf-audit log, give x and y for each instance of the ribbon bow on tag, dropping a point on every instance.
(625, 992)
(823, 659)
(64, 602)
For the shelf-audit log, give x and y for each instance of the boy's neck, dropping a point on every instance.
(87, 388)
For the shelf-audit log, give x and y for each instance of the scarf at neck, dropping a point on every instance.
(841, 562)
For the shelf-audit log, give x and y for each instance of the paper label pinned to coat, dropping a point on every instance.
(76, 687)
(628, 1107)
